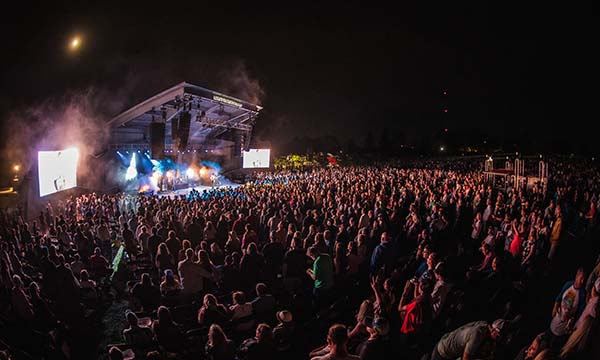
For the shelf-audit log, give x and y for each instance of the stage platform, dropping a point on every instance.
(199, 188)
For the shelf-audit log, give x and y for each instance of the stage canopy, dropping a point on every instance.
(213, 116)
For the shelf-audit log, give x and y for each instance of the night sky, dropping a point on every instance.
(514, 73)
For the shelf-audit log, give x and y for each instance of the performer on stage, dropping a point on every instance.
(214, 179)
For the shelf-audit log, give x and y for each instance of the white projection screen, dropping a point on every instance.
(256, 158)
(57, 170)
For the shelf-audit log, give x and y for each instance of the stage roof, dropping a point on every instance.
(212, 115)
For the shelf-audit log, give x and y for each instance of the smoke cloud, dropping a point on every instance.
(58, 123)
(237, 81)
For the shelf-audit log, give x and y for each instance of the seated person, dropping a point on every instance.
(264, 304)
(139, 337)
(377, 345)
(421, 259)
(416, 314)
(430, 262)
(283, 333)
(360, 333)
(241, 312)
(539, 344)
(77, 264)
(167, 332)
(212, 312)
(146, 294)
(99, 266)
(85, 282)
(479, 271)
(261, 346)
(218, 346)
(88, 286)
(170, 285)
(441, 288)
(475, 340)
(337, 341)
(115, 353)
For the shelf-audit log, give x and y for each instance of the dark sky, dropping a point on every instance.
(338, 68)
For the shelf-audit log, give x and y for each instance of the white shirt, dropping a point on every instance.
(439, 295)
(191, 275)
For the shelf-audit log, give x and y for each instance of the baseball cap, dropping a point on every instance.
(440, 268)
(284, 316)
(498, 325)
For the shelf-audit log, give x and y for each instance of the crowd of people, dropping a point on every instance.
(426, 261)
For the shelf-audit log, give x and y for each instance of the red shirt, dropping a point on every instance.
(417, 313)
(515, 245)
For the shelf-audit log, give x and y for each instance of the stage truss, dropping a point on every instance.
(213, 116)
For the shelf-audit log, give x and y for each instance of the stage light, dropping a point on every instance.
(154, 178)
(131, 170)
(17, 167)
(190, 173)
(442, 148)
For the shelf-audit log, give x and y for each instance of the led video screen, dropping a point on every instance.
(256, 158)
(57, 170)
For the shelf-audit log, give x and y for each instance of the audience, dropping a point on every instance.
(340, 239)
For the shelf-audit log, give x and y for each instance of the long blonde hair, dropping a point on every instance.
(366, 310)
(216, 336)
(582, 338)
